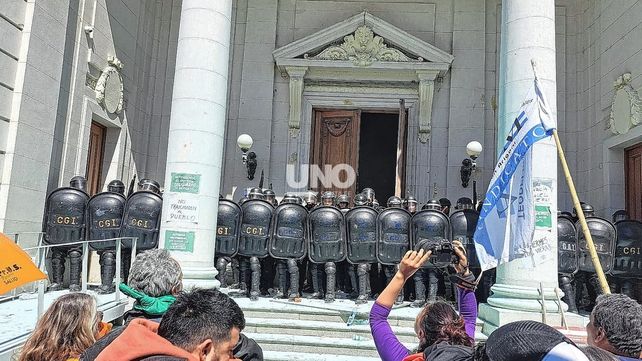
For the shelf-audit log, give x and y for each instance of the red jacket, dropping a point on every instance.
(140, 340)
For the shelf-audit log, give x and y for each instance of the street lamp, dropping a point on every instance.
(244, 141)
(468, 165)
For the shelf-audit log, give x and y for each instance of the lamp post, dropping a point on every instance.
(244, 142)
(469, 165)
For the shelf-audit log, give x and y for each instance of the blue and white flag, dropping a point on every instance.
(507, 219)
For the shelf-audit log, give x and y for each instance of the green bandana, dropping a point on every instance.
(155, 306)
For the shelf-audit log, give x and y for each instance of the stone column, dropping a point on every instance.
(196, 138)
(528, 32)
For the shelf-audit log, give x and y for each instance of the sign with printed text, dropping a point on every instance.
(16, 267)
(179, 241)
(185, 183)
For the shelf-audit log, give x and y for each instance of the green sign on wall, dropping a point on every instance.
(543, 217)
(185, 183)
(179, 241)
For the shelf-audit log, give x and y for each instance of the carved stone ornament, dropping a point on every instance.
(626, 108)
(363, 48)
(109, 87)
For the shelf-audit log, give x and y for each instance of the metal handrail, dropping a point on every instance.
(41, 256)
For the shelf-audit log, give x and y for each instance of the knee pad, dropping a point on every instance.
(330, 268)
(255, 265)
(362, 269)
(74, 253)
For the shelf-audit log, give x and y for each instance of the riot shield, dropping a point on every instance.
(228, 228)
(604, 236)
(104, 216)
(142, 220)
(65, 216)
(326, 232)
(628, 259)
(567, 250)
(430, 229)
(463, 224)
(361, 235)
(393, 235)
(255, 228)
(289, 232)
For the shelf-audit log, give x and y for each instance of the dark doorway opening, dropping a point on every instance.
(378, 153)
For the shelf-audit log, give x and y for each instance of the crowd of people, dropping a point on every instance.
(169, 323)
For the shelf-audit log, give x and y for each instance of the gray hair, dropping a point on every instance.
(155, 273)
(621, 319)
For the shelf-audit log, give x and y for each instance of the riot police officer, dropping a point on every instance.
(253, 247)
(327, 199)
(427, 279)
(370, 195)
(359, 200)
(104, 216)
(411, 204)
(65, 223)
(310, 199)
(270, 196)
(288, 244)
(343, 202)
(388, 270)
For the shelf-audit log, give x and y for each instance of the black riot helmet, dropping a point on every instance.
(149, 185)
(369, 193)
(411, 204)
(360, 200)
(464, 203)
(256, 193)
(269, 195)
(116, 186)
(586, 208)
(620, 215)
(393, 202)
(327, 198)
(343, 201)
(290, 198)
(310, 199)
(243, 200)
(78, 182)
(432, 205)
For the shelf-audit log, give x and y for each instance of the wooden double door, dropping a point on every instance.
(372, 143)
(633, 170)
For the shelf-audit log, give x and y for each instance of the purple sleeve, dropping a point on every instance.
(388, 346)
(468, 310)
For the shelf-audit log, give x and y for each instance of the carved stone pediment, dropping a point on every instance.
(363, 48)
(626, 107)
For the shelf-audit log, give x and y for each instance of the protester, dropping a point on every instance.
(529, 341)
(155, 279)
(442, 333)
(616, 326)
(203, 324)
(70, 325)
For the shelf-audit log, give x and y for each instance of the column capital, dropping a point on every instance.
(296, 71)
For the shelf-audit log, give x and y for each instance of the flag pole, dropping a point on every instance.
(580, 214)
(578, 209)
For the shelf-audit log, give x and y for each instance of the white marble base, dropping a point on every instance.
(200, 277)
(493, 317)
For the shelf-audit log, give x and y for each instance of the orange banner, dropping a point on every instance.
(16, 267)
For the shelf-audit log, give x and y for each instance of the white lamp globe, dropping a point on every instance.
(473, 149)
(244, 141)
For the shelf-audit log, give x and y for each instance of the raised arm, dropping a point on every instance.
(388, 345)
(466, 297)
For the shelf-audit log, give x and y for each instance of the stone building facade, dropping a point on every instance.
(63, 62)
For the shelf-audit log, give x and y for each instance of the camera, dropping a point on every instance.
(442, 251)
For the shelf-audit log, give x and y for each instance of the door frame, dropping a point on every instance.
(628, 189)
(400, 183)
(101, 158)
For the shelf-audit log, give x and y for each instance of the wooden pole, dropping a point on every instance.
(580, 214)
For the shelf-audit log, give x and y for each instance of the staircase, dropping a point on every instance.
(312, 330)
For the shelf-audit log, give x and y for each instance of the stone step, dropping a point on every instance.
(319, 328)
(302, 356)
(318, 345)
